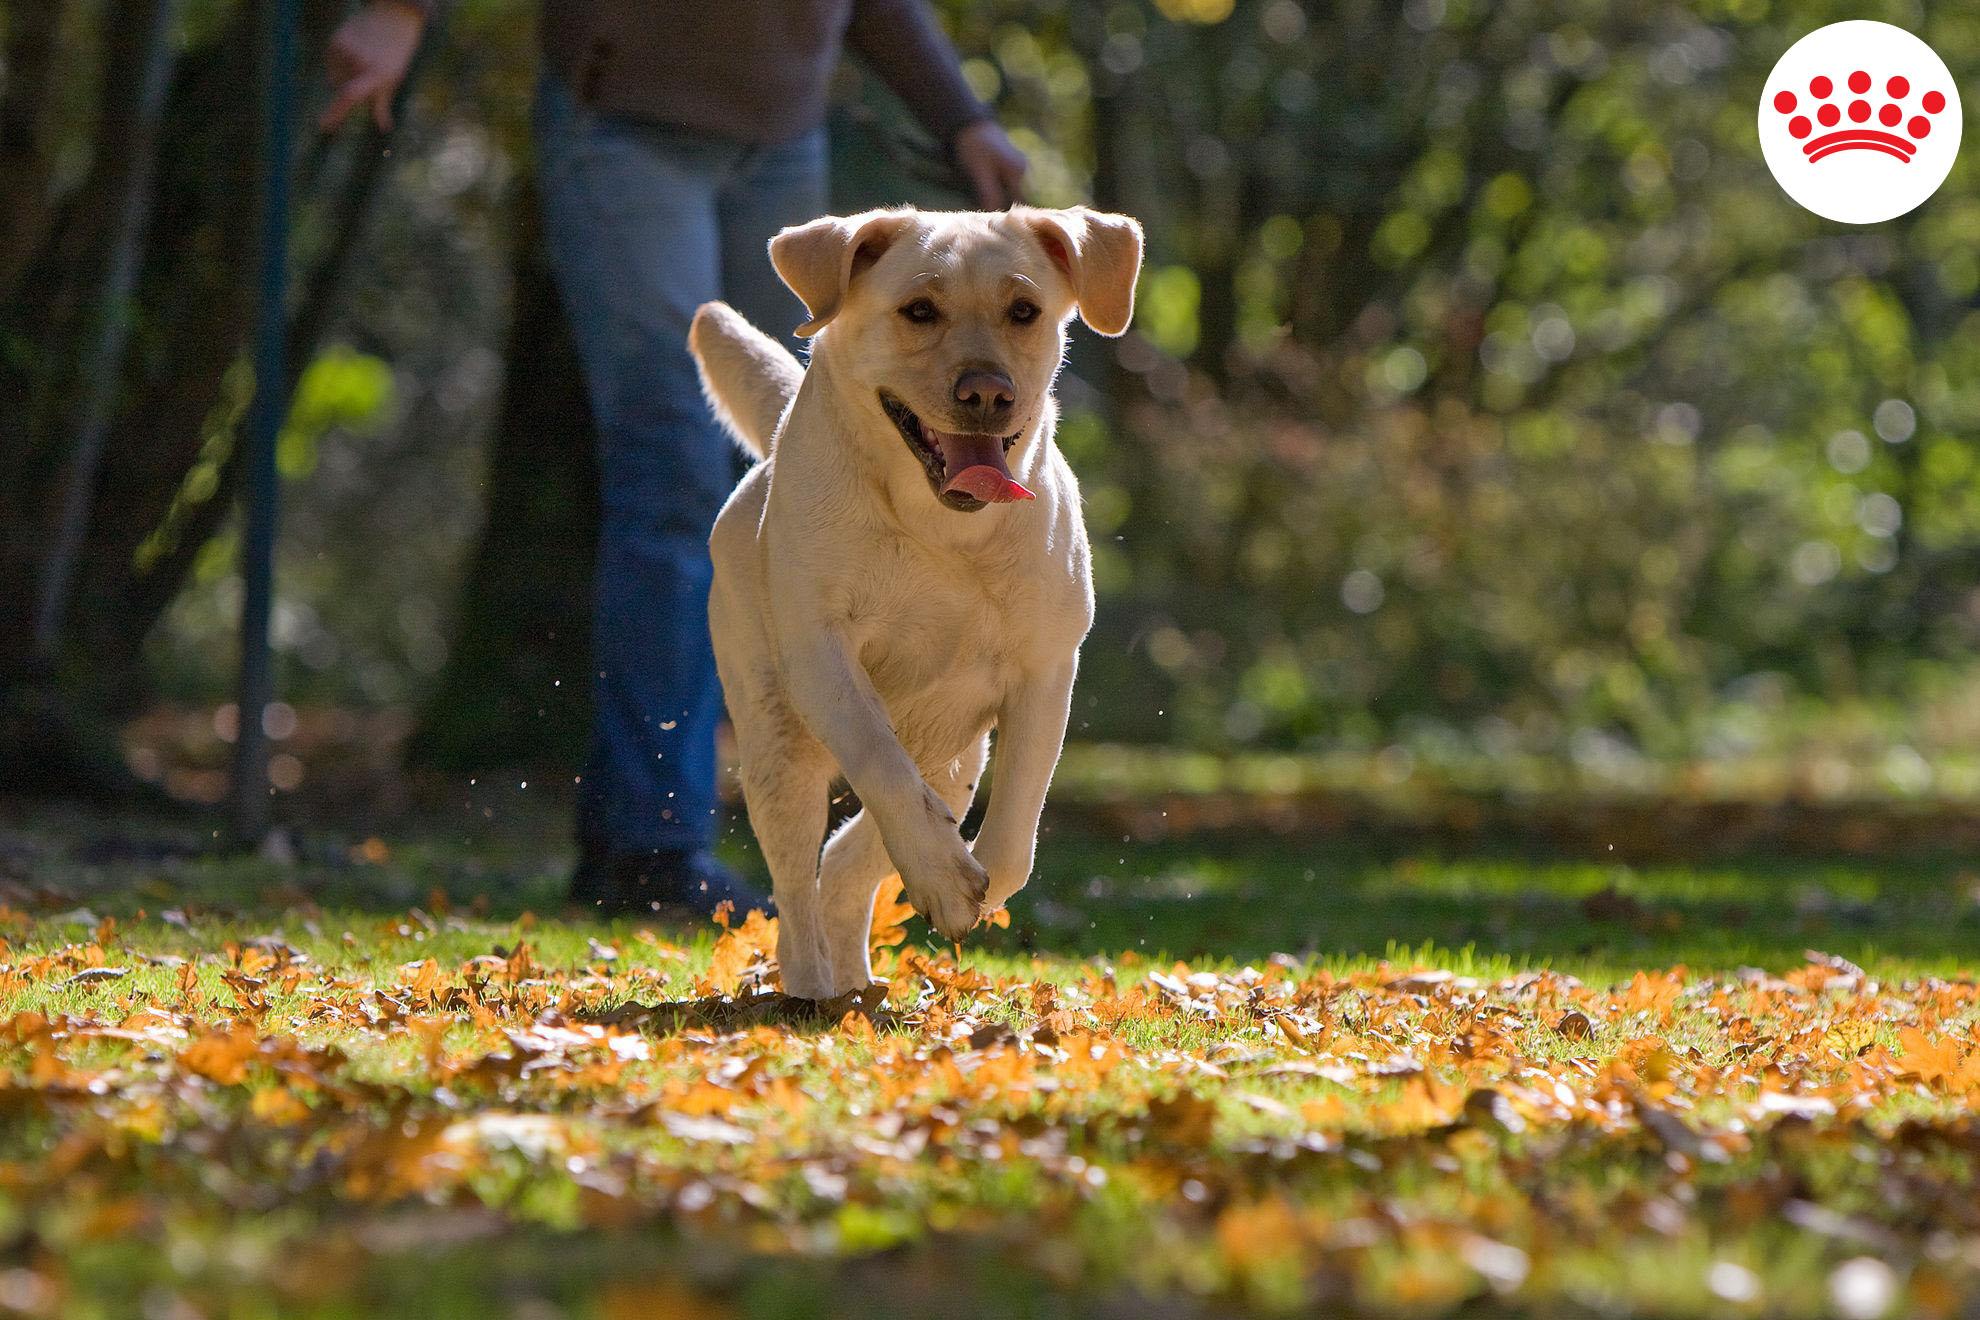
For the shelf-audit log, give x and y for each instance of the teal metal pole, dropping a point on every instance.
(264, 425)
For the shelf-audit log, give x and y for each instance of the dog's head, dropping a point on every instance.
(950, 327)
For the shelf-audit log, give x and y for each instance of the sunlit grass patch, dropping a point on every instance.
(249, 1088)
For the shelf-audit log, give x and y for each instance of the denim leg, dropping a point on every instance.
(771, 187)
(631, 218)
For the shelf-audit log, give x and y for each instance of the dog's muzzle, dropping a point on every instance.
(965, 470)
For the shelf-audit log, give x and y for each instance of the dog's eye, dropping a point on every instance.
(1024, 311)
(921, 311)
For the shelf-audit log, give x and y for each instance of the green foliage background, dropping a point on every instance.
(1488, 388)
(1486, 393)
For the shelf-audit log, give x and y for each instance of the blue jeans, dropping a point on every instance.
(645, 223)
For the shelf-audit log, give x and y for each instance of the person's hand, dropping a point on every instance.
(992, 164)
(368, 59)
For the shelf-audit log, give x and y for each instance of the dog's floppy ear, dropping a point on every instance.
(1101, 254)
(821, 259)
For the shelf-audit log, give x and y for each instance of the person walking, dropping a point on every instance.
(674, 138)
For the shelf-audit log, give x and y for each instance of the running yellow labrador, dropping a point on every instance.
(906, 569)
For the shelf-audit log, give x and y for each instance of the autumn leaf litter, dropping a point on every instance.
(1278, 1134)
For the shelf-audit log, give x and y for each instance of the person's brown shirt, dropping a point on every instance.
(751, 70)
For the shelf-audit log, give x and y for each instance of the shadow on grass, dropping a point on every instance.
(1240, 898)
(1243, 899)
(750, 1008)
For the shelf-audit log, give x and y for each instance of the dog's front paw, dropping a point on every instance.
(948, 890)
(939, 875)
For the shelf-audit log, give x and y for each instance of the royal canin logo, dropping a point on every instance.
(1859, 134)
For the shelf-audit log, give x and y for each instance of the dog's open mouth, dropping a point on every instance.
(966, 471)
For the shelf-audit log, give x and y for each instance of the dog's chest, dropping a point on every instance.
(946, 628)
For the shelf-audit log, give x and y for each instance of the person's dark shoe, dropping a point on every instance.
(672, 883)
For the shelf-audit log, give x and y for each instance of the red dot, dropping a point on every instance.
(1828, 114)
(1820, 87)
(1919, 126)
(1800, 127)
(1859, 110)
(1859, 82)
(1899, 88)
(1890, 114)
(1934, 102)
(1783, 101)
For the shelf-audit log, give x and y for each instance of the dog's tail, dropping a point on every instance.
(749, 377)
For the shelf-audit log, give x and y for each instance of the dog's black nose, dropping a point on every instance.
(985, 391)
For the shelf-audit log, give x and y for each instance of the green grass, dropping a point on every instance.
(940, 1164)
(1242, 901)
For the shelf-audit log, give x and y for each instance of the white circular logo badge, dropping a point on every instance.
(1860, 122)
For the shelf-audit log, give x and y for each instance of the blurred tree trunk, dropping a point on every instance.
(1115, 125)
(26, 153)
(167, 477)
(129, 195)
(515, 689)
(1224, 200)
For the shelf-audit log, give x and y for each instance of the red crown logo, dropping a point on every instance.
(1856, 136)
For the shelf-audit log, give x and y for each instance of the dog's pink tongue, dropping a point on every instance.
(990, 484)
(976, 463)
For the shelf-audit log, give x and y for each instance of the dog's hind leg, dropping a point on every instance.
(854, 864)
(856, 861)
(786, 776)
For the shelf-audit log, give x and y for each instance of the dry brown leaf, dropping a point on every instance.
(1184, 1118)
(890, 913)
